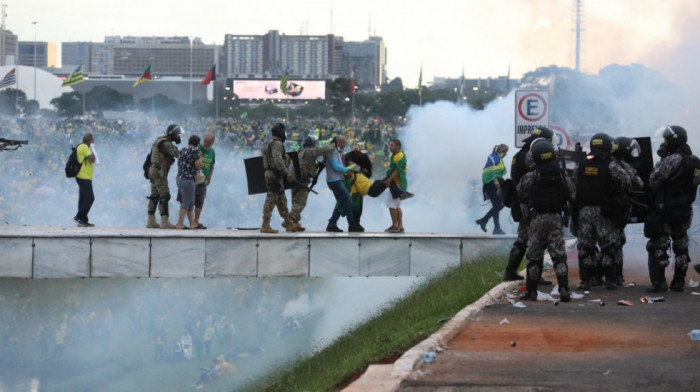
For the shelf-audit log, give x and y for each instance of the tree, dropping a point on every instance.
(30, 108)
(10, 100)
(68, 104)
(102, 98)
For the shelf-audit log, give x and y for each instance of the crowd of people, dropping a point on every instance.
(598, 195)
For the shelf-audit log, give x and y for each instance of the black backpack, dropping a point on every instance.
(72, 165)
(147, 165)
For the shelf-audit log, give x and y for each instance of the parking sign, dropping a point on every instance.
(531, 111)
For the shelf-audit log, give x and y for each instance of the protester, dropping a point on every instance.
(189, 163)
(208, 162)
(334, 176)
(397, 175)
(492, 176)
(84, 179)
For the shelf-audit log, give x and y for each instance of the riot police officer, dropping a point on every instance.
(163, 154)
(672, 181)
(625, 151)
(598, 179)
(307, 170)
(522, 163)
(548, 191)
(276, 165)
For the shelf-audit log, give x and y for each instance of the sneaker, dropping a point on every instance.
(333, 228)
(80, 222)
(406, 195)
(498, 231)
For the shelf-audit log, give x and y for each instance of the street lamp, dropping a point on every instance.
(34, 23)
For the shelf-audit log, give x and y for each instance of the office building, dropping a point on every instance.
(9, 49)
(46, 54)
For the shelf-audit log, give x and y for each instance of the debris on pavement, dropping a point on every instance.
(625, 302)
(504, 321)
(651, 300)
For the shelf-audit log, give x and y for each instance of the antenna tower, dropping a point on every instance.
(577, 19)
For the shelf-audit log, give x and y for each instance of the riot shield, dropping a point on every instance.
(255, 173)
(643, 165)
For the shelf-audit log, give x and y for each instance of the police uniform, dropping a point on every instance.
(548, 191)
(307, 170)
(675, 188)
(624, 205)
(163, 154)
(598, 179)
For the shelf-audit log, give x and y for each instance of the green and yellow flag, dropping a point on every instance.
(74, 78)
(283, 82)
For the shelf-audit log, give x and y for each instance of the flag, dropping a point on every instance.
(352, 81)
(146, 76)
(283, 82)
(9, 79)
(211, 75)
(74, 78)
(420, 81)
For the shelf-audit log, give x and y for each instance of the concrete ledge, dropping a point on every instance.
(61, 252)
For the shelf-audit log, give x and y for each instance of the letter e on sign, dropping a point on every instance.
(532, 107)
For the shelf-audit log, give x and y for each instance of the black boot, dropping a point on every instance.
(610, 278)
(533, 272)
(355, 227)
(657, 275)
(514, 259)
(482, 223)
(678, 281)
(697, 268)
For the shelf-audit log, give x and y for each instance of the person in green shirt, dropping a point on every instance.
(84, 179)
(492, 176)
(397, 175)
(208, 161)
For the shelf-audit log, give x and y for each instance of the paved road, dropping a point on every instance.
(588, 344)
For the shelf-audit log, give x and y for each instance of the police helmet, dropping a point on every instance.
(540, 132)
(310, 141)
(674, 137)
(279, 130)
(626, 148)
(543, 154)
(173, 133)
(602, 142)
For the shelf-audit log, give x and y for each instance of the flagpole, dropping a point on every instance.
(216, 101)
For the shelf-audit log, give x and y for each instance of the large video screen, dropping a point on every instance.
(270, 89)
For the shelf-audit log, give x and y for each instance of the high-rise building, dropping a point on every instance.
(46, 54)
(369, 59)
(270, 55)
(168, 56)
(9, 48)
(74, 54)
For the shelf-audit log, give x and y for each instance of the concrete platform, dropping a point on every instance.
(101, 252)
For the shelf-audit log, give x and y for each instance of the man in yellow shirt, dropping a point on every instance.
(84, 179)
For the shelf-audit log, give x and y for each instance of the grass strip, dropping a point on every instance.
(393, 330)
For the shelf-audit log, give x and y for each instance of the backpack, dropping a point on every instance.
(72, 165)
(147, 165)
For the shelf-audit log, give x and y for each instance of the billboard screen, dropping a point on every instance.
(270, 89)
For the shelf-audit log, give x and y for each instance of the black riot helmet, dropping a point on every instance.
(674, 137)
(310, 141)
(601, 143)
(626, 149)
(543, 154)
(540, 132)
(173, 133)
(279, 130)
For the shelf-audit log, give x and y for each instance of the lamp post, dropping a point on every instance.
(35, 23)
(191, 70)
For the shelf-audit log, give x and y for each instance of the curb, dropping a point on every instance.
(387, 378)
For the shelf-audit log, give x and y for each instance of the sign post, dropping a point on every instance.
(531, 111)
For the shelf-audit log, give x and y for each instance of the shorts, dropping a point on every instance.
(392, 202)
(200, 193)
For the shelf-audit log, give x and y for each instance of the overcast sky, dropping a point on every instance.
(444, 36)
